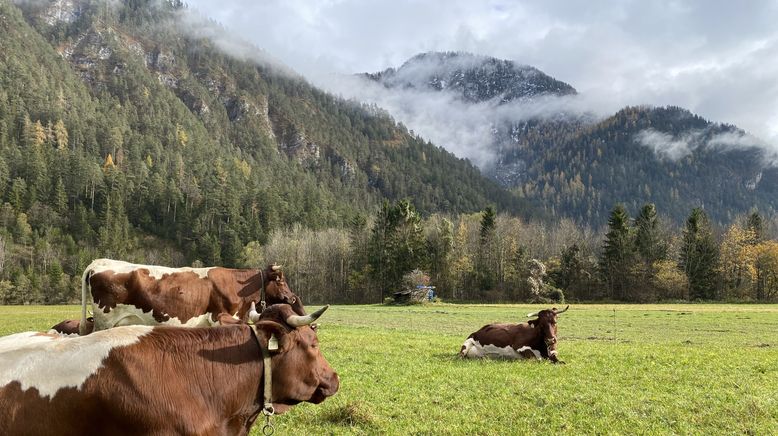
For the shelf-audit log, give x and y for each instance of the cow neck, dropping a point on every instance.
(267, 394)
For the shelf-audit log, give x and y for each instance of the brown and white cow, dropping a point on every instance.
(123, 293)
(142, 379)
(72, 326)
(534, 339)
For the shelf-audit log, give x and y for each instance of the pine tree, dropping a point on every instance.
(397, 245)
(618, 254)
(60, 197)
(699, 256)
(648, 242)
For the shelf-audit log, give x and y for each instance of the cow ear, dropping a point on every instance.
(532, 322)
(270, 328)
(227, 319)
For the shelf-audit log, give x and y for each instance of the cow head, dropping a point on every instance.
(546, 323)
(300, 372)
(277, 290)
(71, 326)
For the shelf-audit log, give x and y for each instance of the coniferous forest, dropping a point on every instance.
(125, 134)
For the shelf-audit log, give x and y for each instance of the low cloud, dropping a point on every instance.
(666, 145)
(465, 129)
(195, 25)
(675, 148)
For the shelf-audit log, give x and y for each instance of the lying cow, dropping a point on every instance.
(123, 293)
(72, 326)
(160, 380)
(534, 339)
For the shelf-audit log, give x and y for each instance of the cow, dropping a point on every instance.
(142, 379)
(534, 339)
(72, 326)
(123, 293)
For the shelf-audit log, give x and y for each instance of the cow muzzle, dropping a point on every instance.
(326, 389)
(550, 341)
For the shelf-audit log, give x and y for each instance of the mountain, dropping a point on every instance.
(124, 128)
(474, 78)
(576, 164)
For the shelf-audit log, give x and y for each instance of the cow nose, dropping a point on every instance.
(326, 388)
(331, 386)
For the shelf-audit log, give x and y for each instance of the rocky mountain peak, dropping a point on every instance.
(476, 78)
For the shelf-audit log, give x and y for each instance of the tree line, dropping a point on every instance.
(500, 258)
(478, 257)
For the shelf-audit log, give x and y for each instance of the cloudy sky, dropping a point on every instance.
(716, 58)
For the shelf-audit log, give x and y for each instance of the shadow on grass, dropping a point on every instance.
(455, 359)
(352, 414)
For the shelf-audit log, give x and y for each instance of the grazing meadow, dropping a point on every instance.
(630, 369)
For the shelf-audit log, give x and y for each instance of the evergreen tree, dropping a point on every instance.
(755, 223)
(648, 241)
(485, 266)
(397, 245)
(440, 246)
(618, 254)
(699, 256)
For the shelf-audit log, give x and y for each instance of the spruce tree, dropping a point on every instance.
(648, 242)
(618, 254)
(397, 245)
(699, 256)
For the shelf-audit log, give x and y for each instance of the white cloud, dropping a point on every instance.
(677, 147)
(667, 146)
(717, 58)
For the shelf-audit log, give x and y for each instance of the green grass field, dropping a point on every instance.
(686, 369)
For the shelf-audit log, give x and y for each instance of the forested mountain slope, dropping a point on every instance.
(117, 124)
(578, 165)
(667, 156)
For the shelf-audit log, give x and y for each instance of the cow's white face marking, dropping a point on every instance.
(474, 349)
(127, 314)
(155, 271)
(49, 363)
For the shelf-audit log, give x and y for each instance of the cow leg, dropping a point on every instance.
(528, 353)
(464, 350)
(552, 357)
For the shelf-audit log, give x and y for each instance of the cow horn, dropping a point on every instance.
(530, 315)
(298, 321)
(253, 315)
(276, 267)
(562, 311)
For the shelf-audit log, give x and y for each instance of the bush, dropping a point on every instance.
(555, 295)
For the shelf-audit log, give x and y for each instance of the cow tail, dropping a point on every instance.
(85, 290)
